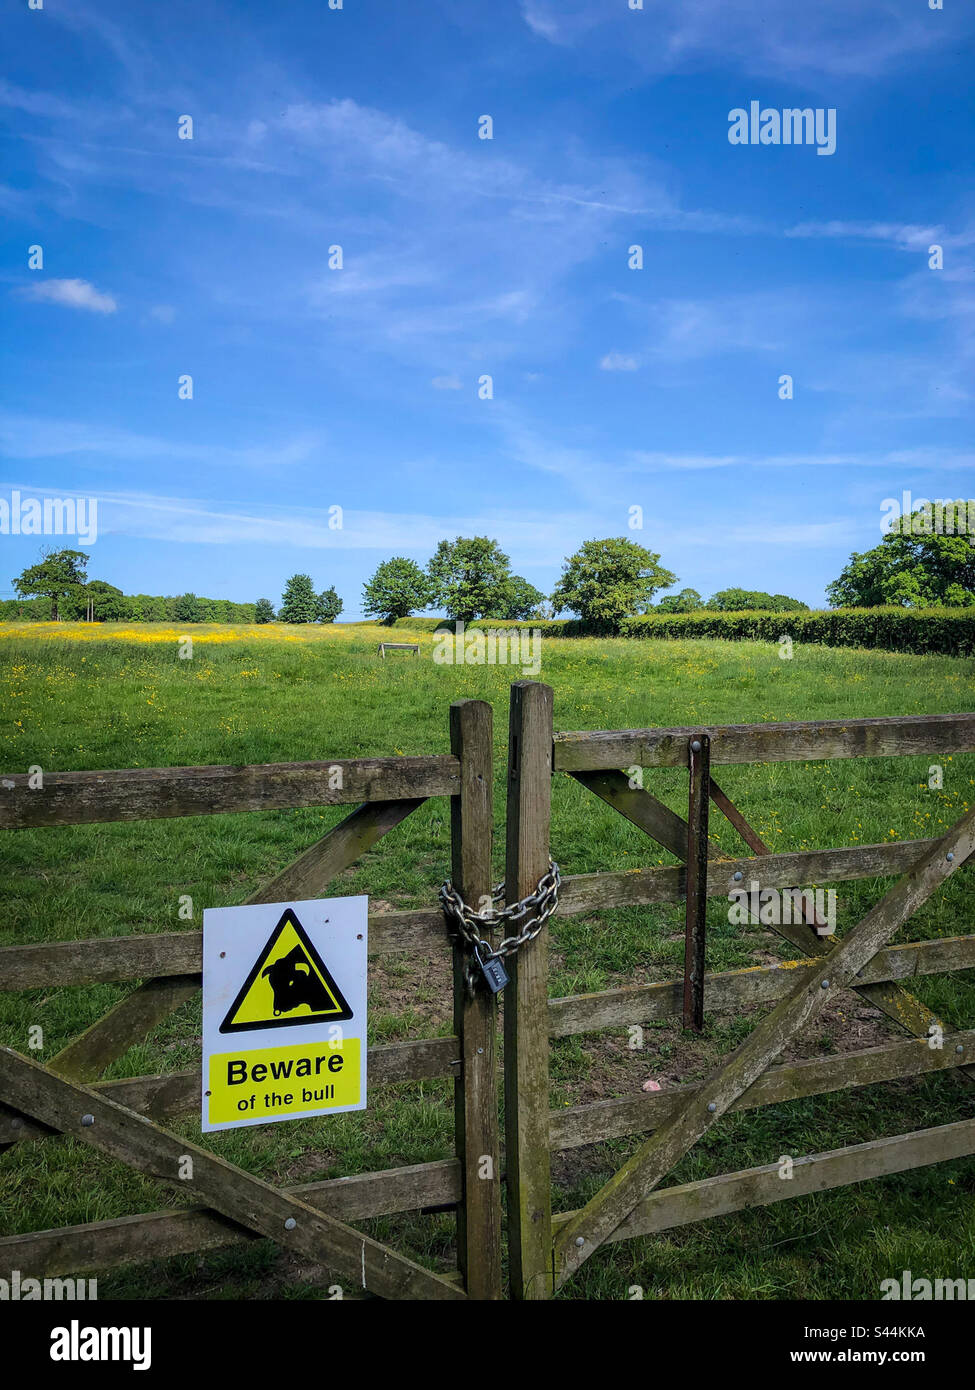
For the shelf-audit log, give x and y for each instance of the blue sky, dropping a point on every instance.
(463, 257)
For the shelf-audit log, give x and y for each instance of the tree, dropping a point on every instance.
(468, 577)
(106, 603)
(911, 568)
(264, 611)
(396, 590)
(519, 600)
(299, 603)
(59, 576)
(687, 601)
(187, 609)
(752, 600)
(609, 580)
(328, 606)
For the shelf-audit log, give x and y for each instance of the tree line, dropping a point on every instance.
(604, 583)
(58, 588)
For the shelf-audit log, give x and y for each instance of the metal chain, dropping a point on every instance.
(468, 924)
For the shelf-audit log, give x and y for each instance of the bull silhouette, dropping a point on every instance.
(294, 983)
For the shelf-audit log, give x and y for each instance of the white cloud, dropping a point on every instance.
(905, 235)
(539, 21)
(162, 313)
(686, 329)
(35, 437)
(618, 362)
(447, 383)
(74, 294)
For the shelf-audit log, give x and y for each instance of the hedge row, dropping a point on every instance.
(943, 631)
(950, 632)
(128, 608)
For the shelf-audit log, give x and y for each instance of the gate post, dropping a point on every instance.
(526, 1085)
(476, 1131)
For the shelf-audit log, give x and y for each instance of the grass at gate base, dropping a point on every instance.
(93, 697)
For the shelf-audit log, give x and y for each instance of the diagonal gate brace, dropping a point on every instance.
(891, 998)
(662, 824)
(591, 1226)
(91, 1116)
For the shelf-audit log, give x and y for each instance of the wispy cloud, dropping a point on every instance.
(906, 236)
(192, 521)
(73, 294)
(37, 437)
(618, 362)
(927, 457)
(831, 38)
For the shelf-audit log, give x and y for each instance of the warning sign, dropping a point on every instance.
(284, 1011)
(288, 984)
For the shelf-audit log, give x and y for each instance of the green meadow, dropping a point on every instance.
(107, 696)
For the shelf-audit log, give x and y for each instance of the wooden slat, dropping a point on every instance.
(612, 1119)
(101, 959)
(655, 1158)
(159, 1235)
(133, 1018)
(755, 842)
(240, 1196)
(311, 873)
(731, 990)
(768, 743)
(526, 998)
(760, 1187)
(178, 1093)
(639, 807)
(79, 798)
(666, 884)
(696, 905)
(724, 803)
(476, 1129)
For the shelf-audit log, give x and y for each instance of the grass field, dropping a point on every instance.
(78, 697)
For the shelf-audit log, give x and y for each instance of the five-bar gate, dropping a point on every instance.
(125, 1118)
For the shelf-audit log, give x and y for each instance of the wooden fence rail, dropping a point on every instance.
(808, 741)
(80, 798)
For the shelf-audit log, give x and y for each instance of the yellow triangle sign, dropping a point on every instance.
(289, 984)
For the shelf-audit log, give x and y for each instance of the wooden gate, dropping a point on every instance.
(544, 1250)
(123, 1118)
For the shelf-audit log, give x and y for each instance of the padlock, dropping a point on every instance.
(493, 971)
